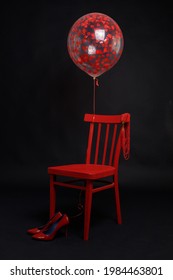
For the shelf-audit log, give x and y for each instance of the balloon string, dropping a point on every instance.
(95, 83)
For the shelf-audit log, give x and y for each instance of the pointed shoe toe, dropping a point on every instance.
(40, 236)
(34, 230)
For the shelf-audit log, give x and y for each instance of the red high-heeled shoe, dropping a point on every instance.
(51, 231)
(43, 227)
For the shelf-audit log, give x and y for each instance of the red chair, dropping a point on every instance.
(117, 135)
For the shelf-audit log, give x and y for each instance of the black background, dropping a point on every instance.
(44, 97)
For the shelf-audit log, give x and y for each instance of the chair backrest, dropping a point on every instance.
(107, 135)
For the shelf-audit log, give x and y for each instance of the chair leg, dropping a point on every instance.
(88, 203)
(117, 203)
(52, 196)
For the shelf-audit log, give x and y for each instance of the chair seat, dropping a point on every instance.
(83, 171)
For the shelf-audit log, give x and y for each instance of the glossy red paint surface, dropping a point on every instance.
(83, 171)
(93, 171)
(95, 43)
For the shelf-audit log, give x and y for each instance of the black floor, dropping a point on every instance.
(146, 232)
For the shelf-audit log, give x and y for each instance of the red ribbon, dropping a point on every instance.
(97, 82)
(125, 135)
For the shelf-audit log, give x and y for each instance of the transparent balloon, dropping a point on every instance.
(95, 43)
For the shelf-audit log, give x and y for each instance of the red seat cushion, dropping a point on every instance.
(83, 171)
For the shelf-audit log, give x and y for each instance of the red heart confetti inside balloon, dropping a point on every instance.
(95, 43)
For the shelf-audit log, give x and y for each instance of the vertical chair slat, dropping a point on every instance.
(106, 143)
(113, 144)
(97, 143)
(90, 138)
